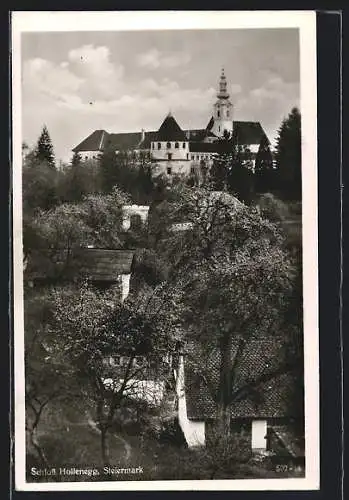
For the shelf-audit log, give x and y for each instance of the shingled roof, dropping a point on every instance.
(274, 398)
(170, 130)
(97, 264)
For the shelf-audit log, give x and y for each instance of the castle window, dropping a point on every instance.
(168, 145)
(187, 156)
(169, 156)
(183, 145)
(219, 128)
(218, 113)
(159, 145)
(169, 170)
(192, 157)
(176, 145)
(197, 157)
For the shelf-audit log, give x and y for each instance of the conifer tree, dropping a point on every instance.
(264, 171)
(44, 149)
(108, 171)
(288, 156)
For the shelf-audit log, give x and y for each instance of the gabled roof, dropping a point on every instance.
(94, 142)
(170, 130)
(97, 264)
(129, 141)
(275, 398)
(247, 132)
(244, 133)
(210, 123)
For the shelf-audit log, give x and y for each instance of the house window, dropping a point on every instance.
(187, 156)
(183, 145)
(218, 113)
(168, 145)
(197, 157)
(86, 157)
(219, 128)
(228, 113)
(176, 145)
(169, 170)
(159, 145)
(138, 361)
(169, 156)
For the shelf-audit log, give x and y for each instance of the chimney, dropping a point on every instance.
(143, 134)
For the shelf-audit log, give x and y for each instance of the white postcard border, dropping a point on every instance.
(305, 21)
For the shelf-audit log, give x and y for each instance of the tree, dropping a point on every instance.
(232, 169)
(39, 186)
(95, 333)
(234, 281)
(288, 156)
(48, 377)
(222, 164)
(108, 171)
(44, 149)
(240, 180)
(264, 170)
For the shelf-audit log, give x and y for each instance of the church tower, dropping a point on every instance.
(222, 109)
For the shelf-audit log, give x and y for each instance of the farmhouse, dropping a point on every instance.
(176, 151)
(104, 268)
(265, 403)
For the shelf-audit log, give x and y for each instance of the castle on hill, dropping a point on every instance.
(174, 151)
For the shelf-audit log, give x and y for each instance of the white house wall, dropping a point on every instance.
(125, 286)
(150, 391)
(259, 435)
(194, 432)
(129, 210)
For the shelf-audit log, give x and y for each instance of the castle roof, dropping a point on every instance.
(248, 132)
(244, 133)
(94, 142)
(170, 130)
(274, 397)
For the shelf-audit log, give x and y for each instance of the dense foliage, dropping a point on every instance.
(217, 262)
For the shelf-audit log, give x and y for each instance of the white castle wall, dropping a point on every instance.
(161, 150)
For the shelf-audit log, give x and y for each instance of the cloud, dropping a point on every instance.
(43, 76)
(154, 59)
(269, 103)
(87, 90)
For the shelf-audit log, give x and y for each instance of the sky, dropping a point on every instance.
(77, 82)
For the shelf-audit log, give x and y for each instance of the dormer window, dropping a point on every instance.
(176, 145)
(168, 145)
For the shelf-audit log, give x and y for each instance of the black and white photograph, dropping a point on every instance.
(165, 250)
